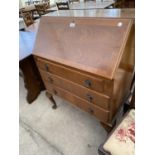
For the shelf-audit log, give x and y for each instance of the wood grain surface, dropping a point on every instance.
(94, 44)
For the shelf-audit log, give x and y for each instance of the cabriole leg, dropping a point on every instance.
(50, 96)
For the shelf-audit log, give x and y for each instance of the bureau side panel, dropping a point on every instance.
(128, 59)
(124, 74)
(122, 83)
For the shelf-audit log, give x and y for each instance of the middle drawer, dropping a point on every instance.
(85, 93)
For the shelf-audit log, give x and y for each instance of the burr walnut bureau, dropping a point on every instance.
(85, 60)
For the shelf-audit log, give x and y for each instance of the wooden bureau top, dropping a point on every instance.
(94, 45)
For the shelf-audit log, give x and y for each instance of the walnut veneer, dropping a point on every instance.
(85, 61)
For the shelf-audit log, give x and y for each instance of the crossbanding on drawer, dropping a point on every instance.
(89, 95)
(98, 112)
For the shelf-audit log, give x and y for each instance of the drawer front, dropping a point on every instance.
(98, 112)
(91, 96)
(88, 81)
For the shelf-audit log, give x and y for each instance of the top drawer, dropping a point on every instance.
(89, 81)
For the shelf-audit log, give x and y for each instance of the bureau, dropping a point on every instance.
(87, 61)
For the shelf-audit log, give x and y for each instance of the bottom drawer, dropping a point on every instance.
(98, 112)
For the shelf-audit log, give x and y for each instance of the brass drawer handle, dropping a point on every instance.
(91, 111)
(46, 67)
(87, 83)
(50, 79)
(89, 97)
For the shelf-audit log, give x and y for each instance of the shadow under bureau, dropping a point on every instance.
(87, 61)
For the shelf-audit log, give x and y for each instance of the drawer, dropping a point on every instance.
(91, 96)
(95, 83)
(98, 112)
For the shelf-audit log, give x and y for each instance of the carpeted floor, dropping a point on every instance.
(64, 131)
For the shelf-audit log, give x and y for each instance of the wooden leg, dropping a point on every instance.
(109, 127)
(106, 127)
(52, 100)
